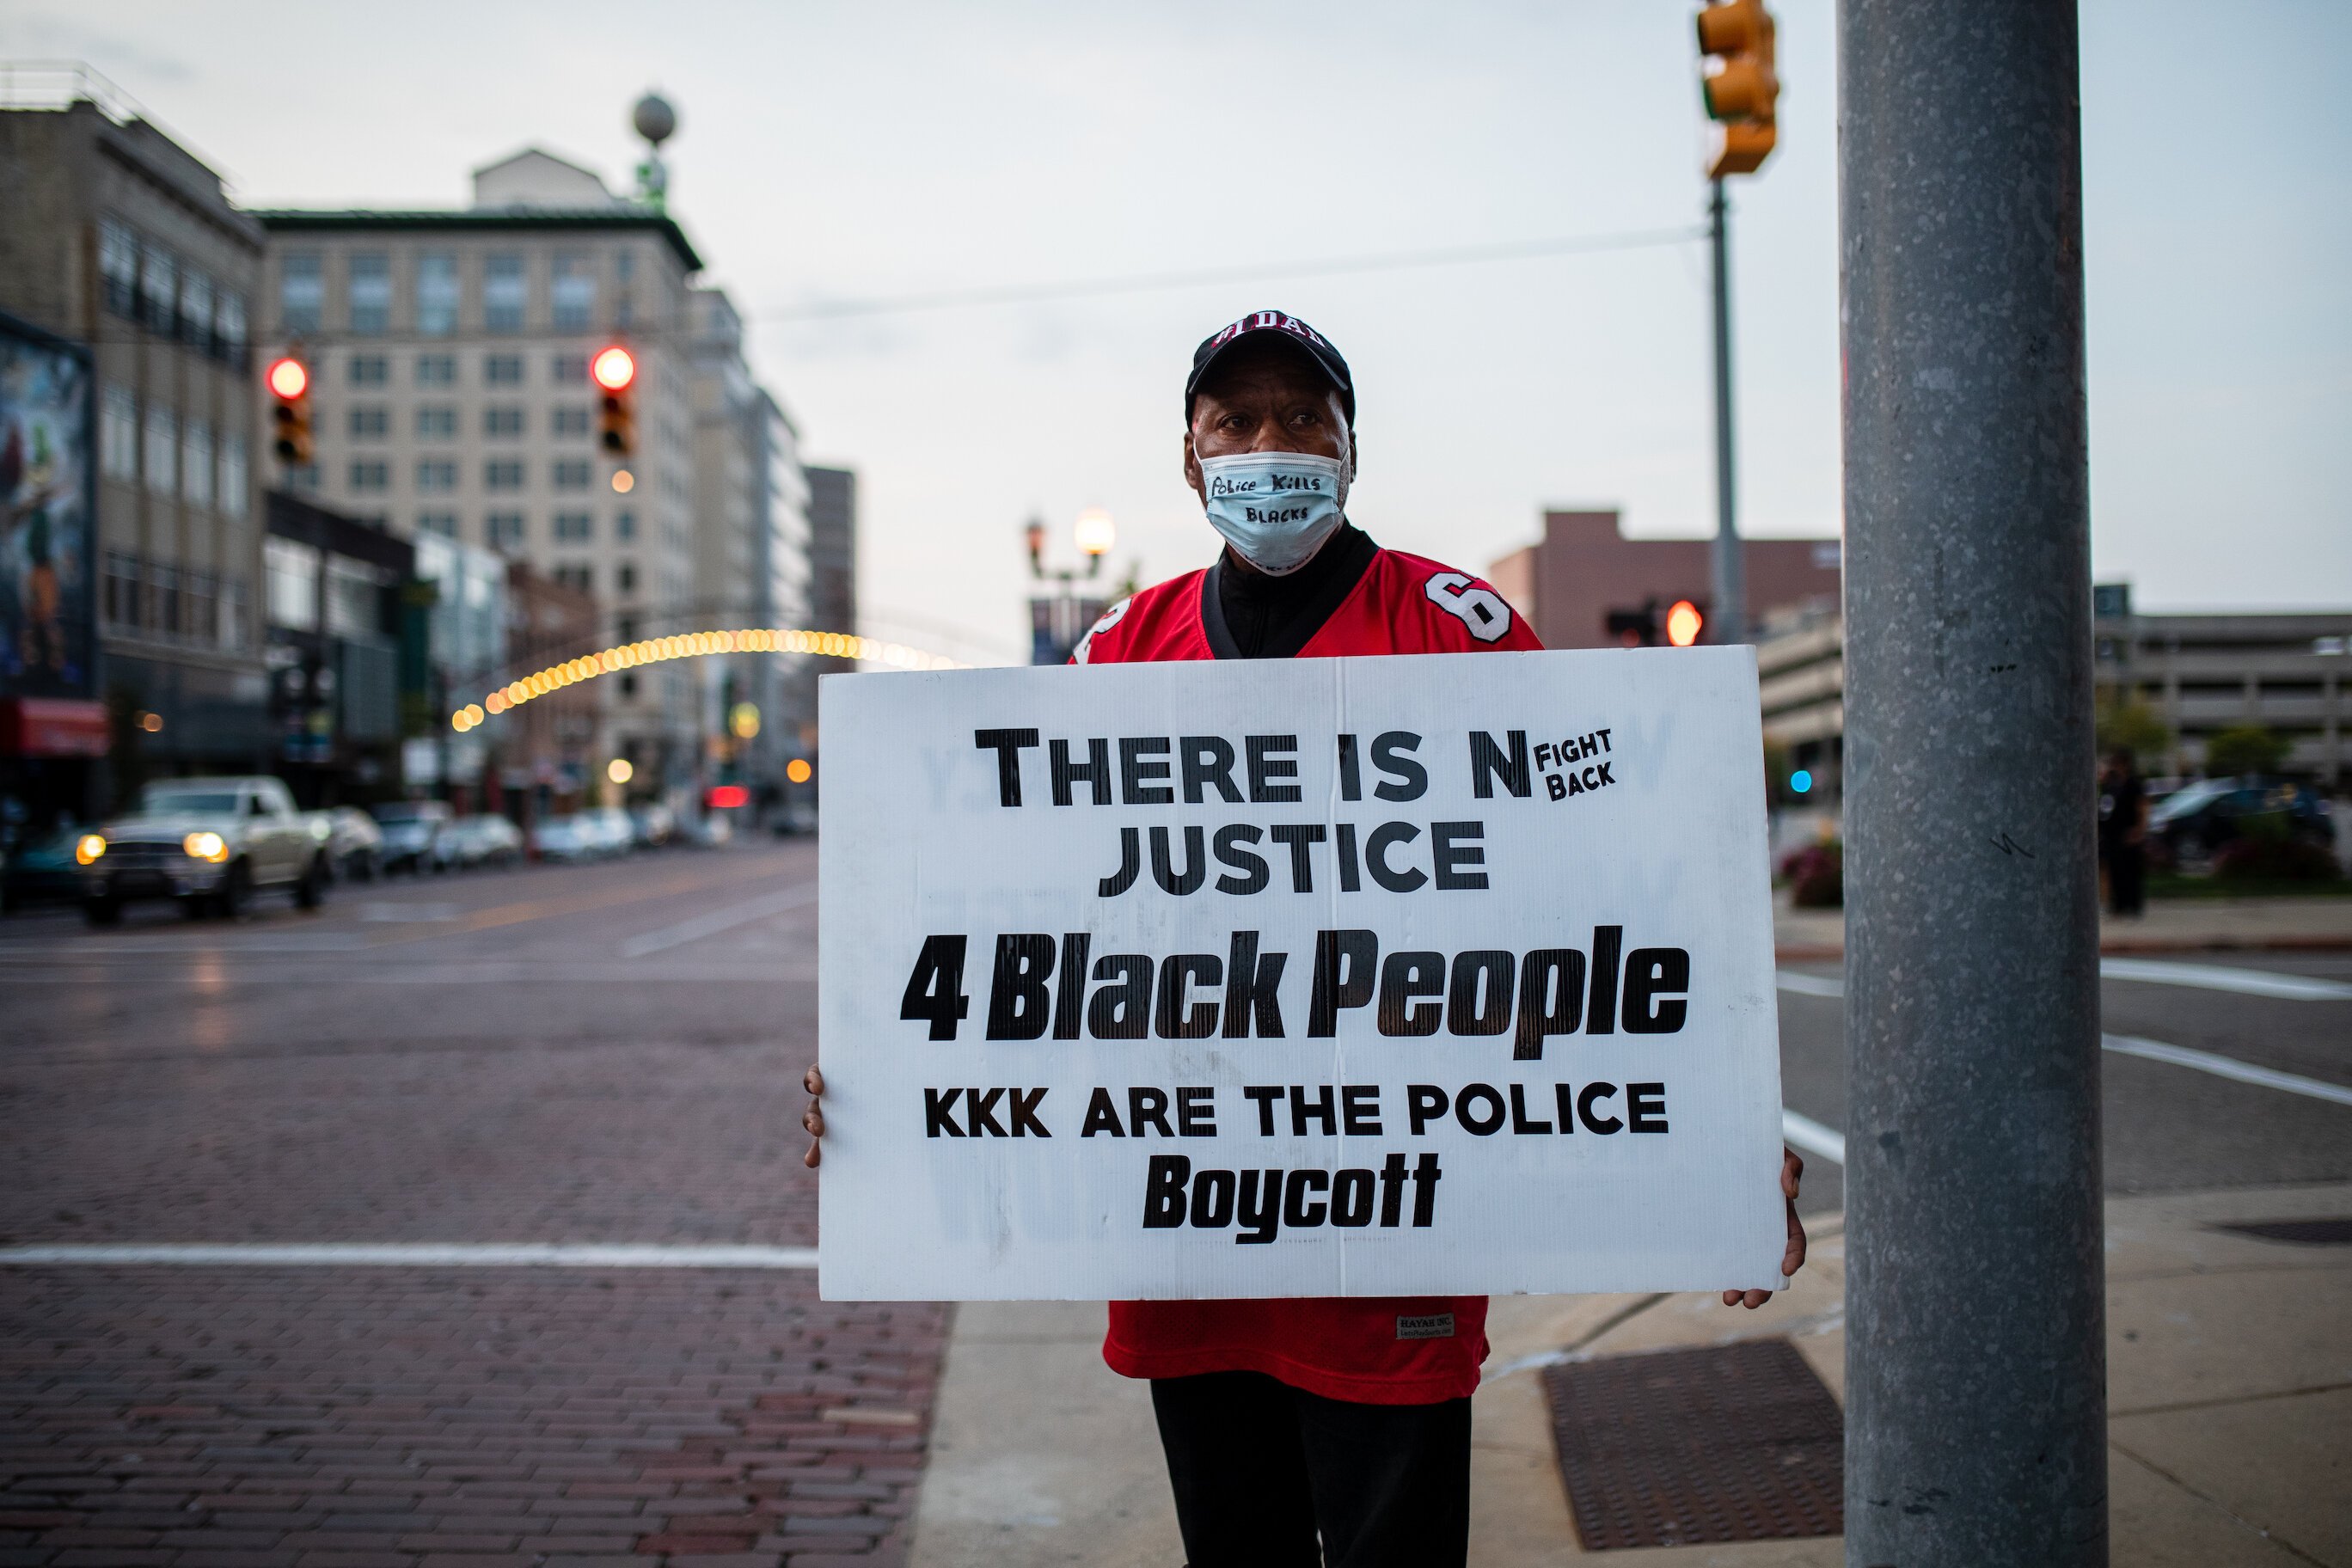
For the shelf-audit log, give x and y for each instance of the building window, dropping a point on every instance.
(371, 423)
(196, 308)
(301, 292)
(437, 295)
(200, 613)
(160, 609)
(228, 327)
(118, 434)
(443, 523)
(117, 267)
(236, 616)
(368, 286)
(436, 473)
(503, 293)
(568, 370)
(121, 589)
(503, 529)
(437, 370)
(234, 476)
(581, 578)
(572, 474)
(503, 475)
(370, 370)
(573, 294)
(162, 451)
(627, 577)
(503, 421)
(158, 286)
(502, 370)
(292, 569)
(436, 422)
(625, 525)
(197, 463)
(567, 421)
(371, 476)
(573, 526)
(628, 677)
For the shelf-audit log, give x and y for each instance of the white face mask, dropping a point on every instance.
(1275, 509)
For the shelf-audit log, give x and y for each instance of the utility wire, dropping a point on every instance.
(1022, 293)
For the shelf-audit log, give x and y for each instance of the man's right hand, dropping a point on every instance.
(813, 1117)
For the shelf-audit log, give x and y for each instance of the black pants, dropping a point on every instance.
(2127, 879)
(1260, 1469)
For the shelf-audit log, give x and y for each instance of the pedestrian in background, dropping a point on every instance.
(2123, 833)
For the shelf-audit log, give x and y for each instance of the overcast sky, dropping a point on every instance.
(843, 152)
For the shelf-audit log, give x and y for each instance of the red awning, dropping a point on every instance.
(51, 727)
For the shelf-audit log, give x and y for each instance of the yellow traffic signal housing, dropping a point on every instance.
(1740, 85)
(617, 424)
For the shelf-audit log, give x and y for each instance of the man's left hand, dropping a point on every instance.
(1792, 1173)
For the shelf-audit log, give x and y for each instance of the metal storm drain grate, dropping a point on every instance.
(1682, 1448)
(2302, 1232)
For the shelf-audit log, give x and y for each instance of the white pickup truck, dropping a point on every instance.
(211, 843)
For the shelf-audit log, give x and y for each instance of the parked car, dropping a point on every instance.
(2190, 826)
(41, 871)
(566, 837)
(211, 843)
(486, 840)
(793, 819)
(411, 836)
(354, 842)
(656, 824)
(615, 833)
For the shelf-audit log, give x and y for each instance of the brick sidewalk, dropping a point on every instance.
(434, 1418)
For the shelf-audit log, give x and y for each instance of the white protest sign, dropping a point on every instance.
(1435, 975)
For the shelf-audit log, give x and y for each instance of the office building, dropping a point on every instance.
(833, 555)
(119, 240)
(449, 351)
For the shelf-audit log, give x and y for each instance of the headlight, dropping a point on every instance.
(206, 846)
(88, 847)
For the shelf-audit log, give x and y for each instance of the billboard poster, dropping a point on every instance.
(46, 515)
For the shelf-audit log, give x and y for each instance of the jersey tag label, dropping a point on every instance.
(1435, 1326)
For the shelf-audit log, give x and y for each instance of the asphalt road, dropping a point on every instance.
(601, 1054)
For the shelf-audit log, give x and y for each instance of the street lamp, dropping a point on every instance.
(1095, 535)
(1059, 619)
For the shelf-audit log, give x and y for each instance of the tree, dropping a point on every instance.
(2244, 749)
(2127, 725)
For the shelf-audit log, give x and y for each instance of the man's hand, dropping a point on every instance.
(1792, 1172)
(812, 1119)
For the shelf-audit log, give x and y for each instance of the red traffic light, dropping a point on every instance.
(614, 368)
(288, 378)
(1683, 622)
(725, 797)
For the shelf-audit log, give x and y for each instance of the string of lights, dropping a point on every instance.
(692, 645)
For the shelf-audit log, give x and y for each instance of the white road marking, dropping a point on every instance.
(667, 937)
(1804, 1133)
(2226, 1067)
(2218, 977)
(1808, 985)
(417, 1254)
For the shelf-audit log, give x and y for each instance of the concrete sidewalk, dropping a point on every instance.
(2230, 1389)
(2313, 924)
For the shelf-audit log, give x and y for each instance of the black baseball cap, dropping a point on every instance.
(1319, 349)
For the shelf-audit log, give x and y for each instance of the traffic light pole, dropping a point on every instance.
(1728, 617)
(1976, 1402)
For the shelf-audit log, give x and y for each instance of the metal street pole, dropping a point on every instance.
(1728, 615)
(1975, 1398)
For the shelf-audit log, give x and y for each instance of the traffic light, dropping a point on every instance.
(1735, 41)
(615, 371)
(289, 380)
(1685, 621)
(1637, 627)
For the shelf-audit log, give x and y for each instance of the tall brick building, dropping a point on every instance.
(1584, 567)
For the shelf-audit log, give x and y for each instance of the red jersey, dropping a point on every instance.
(1410, 1349)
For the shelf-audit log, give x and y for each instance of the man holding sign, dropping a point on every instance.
(1290, 1419)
